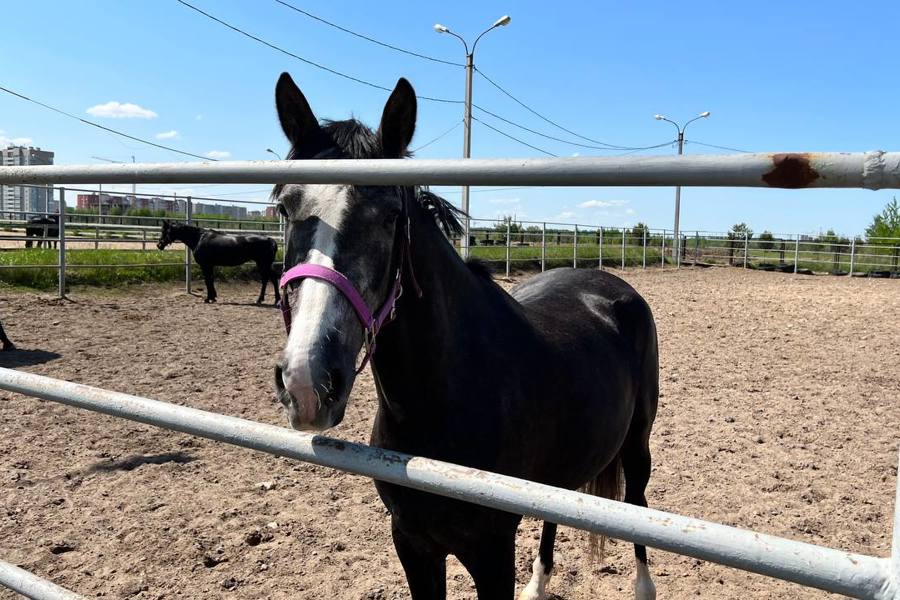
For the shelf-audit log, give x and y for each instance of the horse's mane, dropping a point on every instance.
(354, 140)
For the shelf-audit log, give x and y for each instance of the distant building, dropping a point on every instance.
(271, 211)
(26, 199)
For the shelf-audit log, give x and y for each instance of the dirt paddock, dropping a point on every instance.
(778, 412)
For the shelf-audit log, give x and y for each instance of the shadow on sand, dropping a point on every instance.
(13, 359)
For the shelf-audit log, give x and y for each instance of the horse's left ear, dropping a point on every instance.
(398, 121)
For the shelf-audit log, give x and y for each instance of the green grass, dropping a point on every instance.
(37, 268)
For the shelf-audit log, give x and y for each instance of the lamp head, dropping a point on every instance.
(440, 28)
(502, 21)
(659, 117)
(704, 113)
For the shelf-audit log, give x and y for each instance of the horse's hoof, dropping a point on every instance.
(206, 300)
(277, 304)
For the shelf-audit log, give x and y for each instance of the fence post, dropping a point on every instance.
(600, 244)
(575, 249)
(662, 250)
(623, 248)
(508, 242)
(644, 248)
(543, 247)
(746, 241)
(189, 214)
(696, 247)
(797, 254)
(62, 242)
(144, 240)
(97, 236)
(852, 256)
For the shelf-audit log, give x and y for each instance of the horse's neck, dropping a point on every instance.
(190, 236)
(428, 343)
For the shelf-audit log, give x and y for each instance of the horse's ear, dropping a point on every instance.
(398, 121)
(297, 119)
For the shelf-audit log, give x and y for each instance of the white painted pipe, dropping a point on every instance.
(32, 586)
(873, 170)
(845, 573)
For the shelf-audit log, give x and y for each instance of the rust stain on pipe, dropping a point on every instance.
(791, 170)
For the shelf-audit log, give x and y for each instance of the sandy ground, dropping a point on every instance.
(778, 412)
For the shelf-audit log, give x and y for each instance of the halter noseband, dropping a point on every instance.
(371, 322)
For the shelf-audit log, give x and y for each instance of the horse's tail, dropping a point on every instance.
(609, 483)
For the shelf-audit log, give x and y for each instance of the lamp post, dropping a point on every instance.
(272, 152)
(676, 245)
(467, 139)
(100, 193)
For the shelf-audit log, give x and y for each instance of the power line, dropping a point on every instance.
(548, 120)
(367, 38)
(306, 60)
(104, 128)
(718, 147)
(578, 144)
(449, 131)
(515, 139)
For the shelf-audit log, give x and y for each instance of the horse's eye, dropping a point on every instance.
(282, 210)
(391, 217)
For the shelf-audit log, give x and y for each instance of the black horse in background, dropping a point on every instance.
(7, 345)
(213, 249)
(44, 229)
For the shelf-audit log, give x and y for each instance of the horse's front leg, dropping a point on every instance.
(264, 276)
(491, 562)
(209, 278)
(424, 565)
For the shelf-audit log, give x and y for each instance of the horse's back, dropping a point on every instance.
(581, 305)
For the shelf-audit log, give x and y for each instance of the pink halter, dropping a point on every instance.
(371, 322)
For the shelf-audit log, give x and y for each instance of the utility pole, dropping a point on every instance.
(676, 238)
(467, 120)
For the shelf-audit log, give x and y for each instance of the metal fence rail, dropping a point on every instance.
(846, 573)
(873, 170)
(32, 586)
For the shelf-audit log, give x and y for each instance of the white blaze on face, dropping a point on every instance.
(316, 304)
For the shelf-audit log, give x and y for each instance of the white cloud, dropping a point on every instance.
(217, 154)
(564, 215)
(167, 135)
(505, 200)
(576, 154)
(602, 203)
(629, 211)
(117, 110)
(198, 118)
(17, 141)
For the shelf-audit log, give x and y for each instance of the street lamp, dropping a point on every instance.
(467, 140)
(676, 246)
(270, 151)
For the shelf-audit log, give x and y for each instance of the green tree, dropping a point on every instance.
(766, 240)
(886, 224)
(885, 229)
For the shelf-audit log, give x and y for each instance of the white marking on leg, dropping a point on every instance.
(317, 306)
(540, 577)
(643, 584)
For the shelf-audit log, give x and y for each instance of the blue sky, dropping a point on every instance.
(775, 75)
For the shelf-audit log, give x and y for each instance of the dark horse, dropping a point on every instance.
(556, 382)
(44, 228)
(6, 344)
(213, 249)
